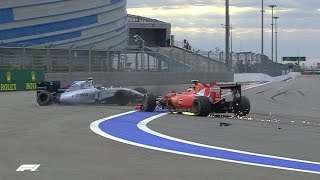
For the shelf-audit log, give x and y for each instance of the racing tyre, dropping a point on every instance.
(121, 98)
(244, 108)
(149, 102)
(201, 106)
(44, 98)
(141, 90)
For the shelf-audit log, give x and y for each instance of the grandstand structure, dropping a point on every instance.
(98, 35)
(63, 23)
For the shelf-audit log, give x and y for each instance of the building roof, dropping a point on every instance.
(135, 18)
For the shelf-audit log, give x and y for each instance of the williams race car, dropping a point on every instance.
(84, 92)
(201, 99)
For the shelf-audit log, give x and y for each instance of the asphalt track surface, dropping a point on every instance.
(285, 121)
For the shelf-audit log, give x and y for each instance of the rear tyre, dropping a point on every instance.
(44, 98)
(141, 90)
(201, 106)
(149, 102)
(244, 107)
(121, 98)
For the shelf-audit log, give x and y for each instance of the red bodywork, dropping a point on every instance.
(184, 100)
(200, 99)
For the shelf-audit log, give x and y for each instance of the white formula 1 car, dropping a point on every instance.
(85, 92)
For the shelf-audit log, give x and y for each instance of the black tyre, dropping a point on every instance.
(244, 107)
(121, 98)
(44, 98)
(201, 106)
(149, 102)
(141, 90)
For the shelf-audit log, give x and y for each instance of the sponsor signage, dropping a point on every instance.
(311, 73)
(20, 80)
(293, 58)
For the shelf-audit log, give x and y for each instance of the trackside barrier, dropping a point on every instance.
(260, 77)
(20, 80)
(311, 73)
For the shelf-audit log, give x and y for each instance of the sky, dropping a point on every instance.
(199, 21)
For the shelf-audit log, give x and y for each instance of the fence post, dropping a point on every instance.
(90, 56)
(70, 57)
(171, 61)
(209, 61)
(148, 63)
(108, 59)
(125, 60)
(24, 58)
(159, 62)
(119, 62)
(48, 58)
(197, 63)
(101, 65)
(184, 61)
(136, 62)
(142, 59)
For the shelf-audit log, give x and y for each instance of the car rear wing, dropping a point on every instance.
(230, 85)
(215, 90)
(51, 86)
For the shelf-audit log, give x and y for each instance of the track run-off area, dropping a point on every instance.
(280, 139)
(138, 134)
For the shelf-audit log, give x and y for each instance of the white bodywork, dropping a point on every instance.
(87, 92)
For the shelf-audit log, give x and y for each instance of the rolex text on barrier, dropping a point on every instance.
(20, 80)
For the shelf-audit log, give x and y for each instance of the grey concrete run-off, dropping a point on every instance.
(60, 140)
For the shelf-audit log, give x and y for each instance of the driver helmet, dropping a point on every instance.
(90, 81)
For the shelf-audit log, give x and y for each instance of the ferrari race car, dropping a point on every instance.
(84, 92)
(201, 99)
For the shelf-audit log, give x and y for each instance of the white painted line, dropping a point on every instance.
(142, 125)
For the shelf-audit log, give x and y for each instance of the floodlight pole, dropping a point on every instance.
(276, 36)
(272, 6)
(231, 28)
(262, 26)
(227, 50)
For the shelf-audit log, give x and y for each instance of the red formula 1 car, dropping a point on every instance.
(201, 99)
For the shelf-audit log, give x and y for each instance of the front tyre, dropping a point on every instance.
(149, 102)
(201, 106)
(44, 98)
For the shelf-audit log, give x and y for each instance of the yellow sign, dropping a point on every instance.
(31, 86)
(33, 75)
(8, 87)
(8, 75)
(180, 102)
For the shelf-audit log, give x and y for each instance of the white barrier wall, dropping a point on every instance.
(260, 77)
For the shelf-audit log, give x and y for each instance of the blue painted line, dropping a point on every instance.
(125, 127)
